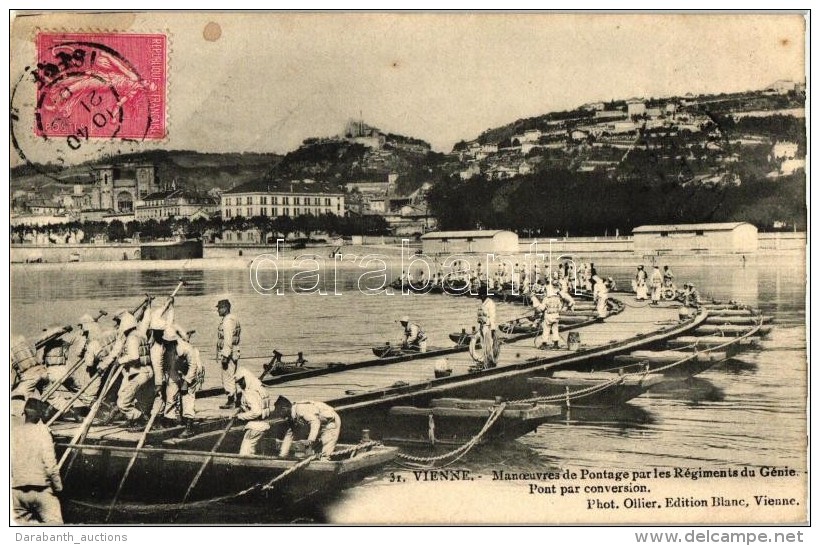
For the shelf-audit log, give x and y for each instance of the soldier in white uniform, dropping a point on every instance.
(325, 424)
(29, 375)
(414, 336)
(550, 306)
(133, 353)
(227, 350)
(256, 407)
(35, 476)
(185, 376)
(656, 280)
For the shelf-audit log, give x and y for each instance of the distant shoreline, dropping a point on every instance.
(230, 259)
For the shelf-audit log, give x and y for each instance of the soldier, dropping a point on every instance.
(54, 351)
(656, 281)
(185, 376)
(35, 476)
(640, 284)
(414, 336)
(159, 318)
(325, 424)
(256, 407)
(550, 306)
(135, 358)
(29, 373)
(600, 296)
(227, 350)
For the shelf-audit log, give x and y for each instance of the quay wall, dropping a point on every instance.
(610, 249)
(65, 253)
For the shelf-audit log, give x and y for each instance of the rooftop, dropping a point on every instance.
(181, 192)
(474, 234)
(284, 186)
(726, 226)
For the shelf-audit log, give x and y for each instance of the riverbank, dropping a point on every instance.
(595, 249)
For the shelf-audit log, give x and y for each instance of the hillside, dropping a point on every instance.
(341, 161)
(614, 165)
(203, 171)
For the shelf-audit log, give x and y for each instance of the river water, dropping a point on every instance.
(750, 411)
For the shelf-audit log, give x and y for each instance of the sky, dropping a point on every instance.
(268, 81)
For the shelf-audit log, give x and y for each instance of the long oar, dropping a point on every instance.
(73, 399)
(207, 461)
(91, 414)
(155, 411)
(81, 433)
(77, 396)
(73, 368)
(140, 443)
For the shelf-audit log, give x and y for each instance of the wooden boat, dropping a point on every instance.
(160, 477)
(744, 312)
(747, 320)
(604, 388)
(732, 330)
(686, 363)
(366, 393)
(453, 421)
(710, 342)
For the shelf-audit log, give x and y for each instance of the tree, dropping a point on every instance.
(115, 231)
(283, 225)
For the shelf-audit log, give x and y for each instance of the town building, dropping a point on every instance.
(282, 198)
(119, 187)
(462, 242)
(175, 203)
(635, 108)
(718, 238)
(609, 114)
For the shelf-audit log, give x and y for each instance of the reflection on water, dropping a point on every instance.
(750, 410)
(688, 389)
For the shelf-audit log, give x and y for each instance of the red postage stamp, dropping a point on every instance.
(101, 85)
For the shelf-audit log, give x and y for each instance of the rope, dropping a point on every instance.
(139, 508)
(459, 452)
(595, 388)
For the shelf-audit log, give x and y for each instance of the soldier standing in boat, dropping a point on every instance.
(255, 408)
(656, 280)
(550, 306)
(135, 358)
(414, 336)
(325, 425)
(35, 476)
(185, 374)
(488, 328)
(640, 284)
(54, 353)
(29, 373)
(600, 296)
(227, 350)
(159, 319)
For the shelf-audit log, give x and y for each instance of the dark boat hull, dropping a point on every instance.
(453, 422)
(615, 389)
(159, 479)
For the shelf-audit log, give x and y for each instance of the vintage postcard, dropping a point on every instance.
(408, 268)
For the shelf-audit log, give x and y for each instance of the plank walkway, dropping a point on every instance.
(632, 321)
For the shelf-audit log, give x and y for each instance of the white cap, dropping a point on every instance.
(127, 322)
(404, 319)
